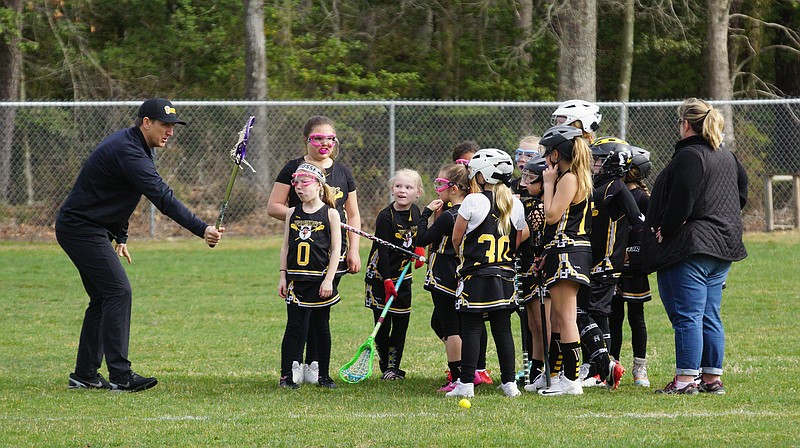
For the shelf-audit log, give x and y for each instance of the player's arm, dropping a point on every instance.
(353, 256)
(278, 198)
(284, 255)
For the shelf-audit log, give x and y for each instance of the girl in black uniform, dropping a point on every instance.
(489, 225)
(452, 185)
(310, 254)
(396, 224)
(633, 286)
(320, 149)
(615, 211)
(530, 253)
(567, 250)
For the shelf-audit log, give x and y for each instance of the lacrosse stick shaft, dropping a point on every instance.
(383, 242)
(238, 154)
(389, 301)
(545, 345)
(224, 206)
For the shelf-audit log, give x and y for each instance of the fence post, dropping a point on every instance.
(796, 194)
(391, 137)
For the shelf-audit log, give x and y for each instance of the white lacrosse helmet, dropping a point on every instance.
(495, 165)
(574, 110)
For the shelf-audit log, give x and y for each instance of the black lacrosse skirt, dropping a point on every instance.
(484, 293)
(635, 288)
(306, 295)
(574, 265)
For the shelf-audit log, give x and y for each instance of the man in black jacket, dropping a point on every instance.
(96, 211)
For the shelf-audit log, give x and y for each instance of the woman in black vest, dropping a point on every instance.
(695, 232)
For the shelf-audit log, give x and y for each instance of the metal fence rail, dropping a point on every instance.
(43, 144)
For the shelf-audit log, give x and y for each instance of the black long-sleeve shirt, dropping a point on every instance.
(111, 183)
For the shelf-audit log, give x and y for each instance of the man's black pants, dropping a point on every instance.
(107, 322)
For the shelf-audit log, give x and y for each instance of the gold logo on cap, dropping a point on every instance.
(169, 110)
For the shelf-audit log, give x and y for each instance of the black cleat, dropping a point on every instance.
(98, 382)
(132, 382)
(326, 382)
(287, 383)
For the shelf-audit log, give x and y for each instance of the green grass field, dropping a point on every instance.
(209, 323)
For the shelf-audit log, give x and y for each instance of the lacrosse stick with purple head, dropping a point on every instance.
(237, 154)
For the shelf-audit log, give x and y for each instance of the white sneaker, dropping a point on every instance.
(510, 389)
(592, 381)
(540, 382)
(311, 372)
(462, 390)
(297, 372)
(640, 372)
(563, 386)
(583, 371)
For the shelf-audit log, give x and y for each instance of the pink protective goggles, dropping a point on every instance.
(441, 184)
(321, 139)
(303, 179)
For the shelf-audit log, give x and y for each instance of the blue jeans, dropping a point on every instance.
(691, 292)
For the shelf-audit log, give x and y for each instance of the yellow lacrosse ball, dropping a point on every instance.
(464, 403)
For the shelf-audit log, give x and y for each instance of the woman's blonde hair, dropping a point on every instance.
(704, 120)
(411, 174)
(581, 166)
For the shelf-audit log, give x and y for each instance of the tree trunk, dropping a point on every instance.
(10, 65)
(626, 58)
(447, 50)
(524, 21)
(255, 85)
(577, 32)
(718, 72)
(256, 88)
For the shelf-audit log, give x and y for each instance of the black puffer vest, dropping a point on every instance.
(714, 226)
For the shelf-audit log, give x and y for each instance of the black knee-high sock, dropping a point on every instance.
(571, 352)
(455, 369)
(592, 338)
(556, 359)
(537, 366)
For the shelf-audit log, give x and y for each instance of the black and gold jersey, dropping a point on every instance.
(398, 227)
(309, 244)
(484, 250)
(532, 247)
(614, 213)
(571, 231)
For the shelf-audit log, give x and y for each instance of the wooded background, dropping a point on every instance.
(603, 50)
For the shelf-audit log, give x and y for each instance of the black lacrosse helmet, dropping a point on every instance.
(535, 168)
(615, 153)
(641, 160)
(560, 138)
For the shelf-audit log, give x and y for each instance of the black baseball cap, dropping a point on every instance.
(159, 109)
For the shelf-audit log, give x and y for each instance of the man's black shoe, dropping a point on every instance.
(132, 382)
(98, 382)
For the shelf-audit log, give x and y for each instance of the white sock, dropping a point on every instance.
(681, 384)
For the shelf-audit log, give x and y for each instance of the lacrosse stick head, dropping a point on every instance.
(239, 151)
(360, 367)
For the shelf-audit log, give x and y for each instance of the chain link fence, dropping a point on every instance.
(43, 145)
